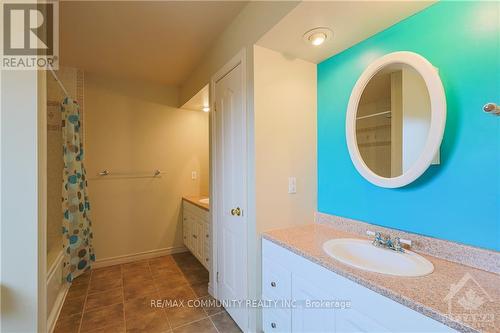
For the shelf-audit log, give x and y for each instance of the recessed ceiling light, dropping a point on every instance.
(206, 109)
(317, 36)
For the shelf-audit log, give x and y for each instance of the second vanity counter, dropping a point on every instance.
(196, 228)
(426, 295)
(195, 200)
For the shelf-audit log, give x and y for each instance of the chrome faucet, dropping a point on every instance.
(385, 241)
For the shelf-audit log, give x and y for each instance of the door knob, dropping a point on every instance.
(236, 211)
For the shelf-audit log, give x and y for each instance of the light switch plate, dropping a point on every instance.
(292, 185)
(194, 175)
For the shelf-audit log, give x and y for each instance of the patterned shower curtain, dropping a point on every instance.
(77, 227)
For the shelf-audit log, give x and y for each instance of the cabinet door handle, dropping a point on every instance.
(195, 237)
(273, 284)
(273, 325)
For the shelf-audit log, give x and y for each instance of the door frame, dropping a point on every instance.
(24, 272)
(238, 59)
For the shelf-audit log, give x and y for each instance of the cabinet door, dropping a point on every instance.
(276, 281)
(199, 239)
(192, 235)
(353, 321)
(275, 320)
(187, 223)
(195, 236)
(305, 316)
(206, 245)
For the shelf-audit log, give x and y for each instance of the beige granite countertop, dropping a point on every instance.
(427, 294)
(195, 200)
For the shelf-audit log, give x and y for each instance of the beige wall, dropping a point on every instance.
(285, 142)
(131, 127)
(285, 139)
(242, 32)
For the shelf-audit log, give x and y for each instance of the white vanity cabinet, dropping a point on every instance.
(196, 234)
(288, 276)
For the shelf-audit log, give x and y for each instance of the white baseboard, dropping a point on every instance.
(57, 289)
(138, 256)
(56, 309)
(211, 290)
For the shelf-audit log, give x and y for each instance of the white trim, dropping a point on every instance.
(53, 269)
(41, 190)
(61, 296)
(56, 309)
(213, 193)
(138, 256)
(211, 290)
(238, 59)
(438, 117)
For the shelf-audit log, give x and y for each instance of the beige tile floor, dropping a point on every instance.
(118, 299)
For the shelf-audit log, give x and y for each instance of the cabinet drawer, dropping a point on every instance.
(195, 210)
(206, 263)
(276, 320)
(276, 281)
(186, 232)
(206, 233)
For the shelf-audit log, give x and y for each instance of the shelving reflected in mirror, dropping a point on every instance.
(393, 120)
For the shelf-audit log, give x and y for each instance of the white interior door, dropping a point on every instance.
(230, 152)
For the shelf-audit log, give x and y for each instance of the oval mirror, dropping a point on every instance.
(395, 119)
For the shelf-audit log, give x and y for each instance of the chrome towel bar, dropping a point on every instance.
(155, 173)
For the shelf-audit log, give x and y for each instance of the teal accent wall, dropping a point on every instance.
(457, 200)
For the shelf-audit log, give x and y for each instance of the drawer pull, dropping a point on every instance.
(195, 237)
(273, 325)
(273, 284)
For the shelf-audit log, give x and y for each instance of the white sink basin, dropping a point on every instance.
(364, 255)
(205, 201)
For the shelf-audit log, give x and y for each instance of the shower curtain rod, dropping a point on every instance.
(58, 81)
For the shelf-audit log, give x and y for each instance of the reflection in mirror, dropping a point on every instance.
(393, 120)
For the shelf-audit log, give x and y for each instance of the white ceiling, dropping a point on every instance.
(350, 21)
(158, 41)
(198, 101)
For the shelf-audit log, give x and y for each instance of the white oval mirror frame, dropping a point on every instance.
(438, 118)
